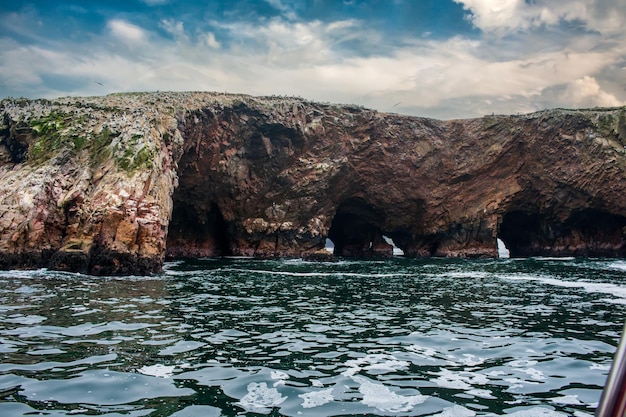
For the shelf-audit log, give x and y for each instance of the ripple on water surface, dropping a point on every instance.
(515, 337)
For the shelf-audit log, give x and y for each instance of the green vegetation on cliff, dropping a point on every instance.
(61, 134)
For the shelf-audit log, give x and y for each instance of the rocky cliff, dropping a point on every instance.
(113, 185)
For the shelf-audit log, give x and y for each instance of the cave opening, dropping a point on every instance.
(521, 233)
(587, 232)
(355, 231)
(593, 232)
(197, 231)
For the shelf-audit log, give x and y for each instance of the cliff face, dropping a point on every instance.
(112, 185)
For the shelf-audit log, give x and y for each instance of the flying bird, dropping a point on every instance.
(98, 82)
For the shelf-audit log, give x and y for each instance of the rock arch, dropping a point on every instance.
(523, 233)
(355, 230)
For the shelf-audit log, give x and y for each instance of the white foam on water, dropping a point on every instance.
(167, 267)
(280, 377)
(522, 363)
(460, 380)
(534, 374)
(621, 301)
(455, 411)
(317, 398)
(533, 412)
(471, 360)
(380, 397)
(468, 274)
(173, 272)
(482, 393)
(158, 370)
(45, 352)
(591, 287)
(451, 382)
(317, 383)
(567, 400)
(426, 352)
(25, 320)
(554, 258)
(379, 363)
(516, 383)
(316, 274)
(619, 265)
(27, 273)
(260, 398)
(582, 414)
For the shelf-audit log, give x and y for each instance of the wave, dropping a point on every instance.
(591, 287)
(318, 274)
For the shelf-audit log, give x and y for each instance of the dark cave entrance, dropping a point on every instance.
(197, 231)
(595, 233)
(521, 233)
(355, 231)
(588, 232)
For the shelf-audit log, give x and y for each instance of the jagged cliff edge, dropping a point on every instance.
(114, 184)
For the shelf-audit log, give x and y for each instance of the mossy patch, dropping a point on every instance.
(621, 127)
(612, 125)
(49, 137)
(59, 133)
(68, 134)
(135, 155)
(100, 150)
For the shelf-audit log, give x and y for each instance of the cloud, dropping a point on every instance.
(513, 15)
(126, 31)
(343, 61)
(208, 39)
(586, 92)
(175, 28)
(291, 44)
(285, 10)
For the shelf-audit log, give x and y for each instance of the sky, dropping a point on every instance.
(434, 58)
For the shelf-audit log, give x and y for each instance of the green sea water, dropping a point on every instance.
(243, 337)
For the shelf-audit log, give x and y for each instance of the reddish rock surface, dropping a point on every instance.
(113, 185)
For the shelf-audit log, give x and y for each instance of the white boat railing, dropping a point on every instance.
(613, 400)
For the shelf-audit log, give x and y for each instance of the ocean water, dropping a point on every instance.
(242, 337)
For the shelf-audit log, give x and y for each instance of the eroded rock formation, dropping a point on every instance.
(113, 185)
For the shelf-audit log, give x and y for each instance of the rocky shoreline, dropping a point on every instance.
(113, 185)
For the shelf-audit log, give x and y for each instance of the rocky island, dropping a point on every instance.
(114, 185)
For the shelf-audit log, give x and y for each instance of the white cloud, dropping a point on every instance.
(512, 15)
(175, 28)
(291, 44)
(209, 40)
(126, 31)
(586, 92)
(325, 61)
